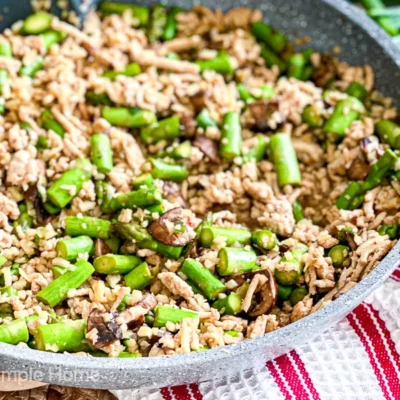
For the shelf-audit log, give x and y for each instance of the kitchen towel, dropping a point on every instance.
(357, 359)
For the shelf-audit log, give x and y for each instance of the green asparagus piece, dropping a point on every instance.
(128, 117)
(101, 153)
(15, 332)
(140, 181)
(386, 23)
(203, 278)
(284, 292)
(51, 37)
(3, 260)
(181, 151)
(131, 69)
(204, 120)
(48, 122)
(232, 333)
(289, 277)
(164, 314)
(392, 230)
(172, 56)
(379, 170)
(221, 64)
(42, 142)
(5, 51)
(57, 290)
(264, 92)
(311, 117)
(230, 235)
(125, 354)
(307, 73)
(357, 90)
(58, 271)
(31, 69)
(14, 270)
(65, 188)
(284, 158)
(114, 244)
(244, 94)
(171, 25)
(272, 59)
(84, 165)
(339, 255)
(9, 291)
(166, 129)
(69, 249)
(236, 261)
(63, 336)
(166, 171)
(141, 13)
(124, 303)
(36, 23)
(263, 32)
(24, 220)
(98, 99)
(298, 213)
(229, 305)
(346, 112)
(158, 20)
(257, 152)
(134, 231)
(349, 196)
(89, 226)
(139, 278)
(138, 198)
(297, 295)
(389, 132)
(115, 264)
(264, 239)
(231, 136)
(296, 66)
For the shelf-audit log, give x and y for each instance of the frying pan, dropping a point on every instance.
(328, 23)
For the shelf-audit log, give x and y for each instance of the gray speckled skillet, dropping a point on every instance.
(328, 23)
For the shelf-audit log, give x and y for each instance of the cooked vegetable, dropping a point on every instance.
(285, 160)
(202, 278)
(57, 290)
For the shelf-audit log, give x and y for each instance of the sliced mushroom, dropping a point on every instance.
(199, 100)
(148, 302)
(173, 194)
(188, 126)
(350, 240)
(42, 216)
(107, 332)
(358, 171)
(261, 111)
(100, 248)
(263, 299)
(208, 147)
(171, 228)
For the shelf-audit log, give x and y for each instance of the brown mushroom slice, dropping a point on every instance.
(172, 193)
(261, 111)
(358, 171)
(199, 100)
(107, 332)
(170, 228)
(148, 301)
(208, 147)
(264, 299)
(42, 216)
(188, 126)
(100, 248)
